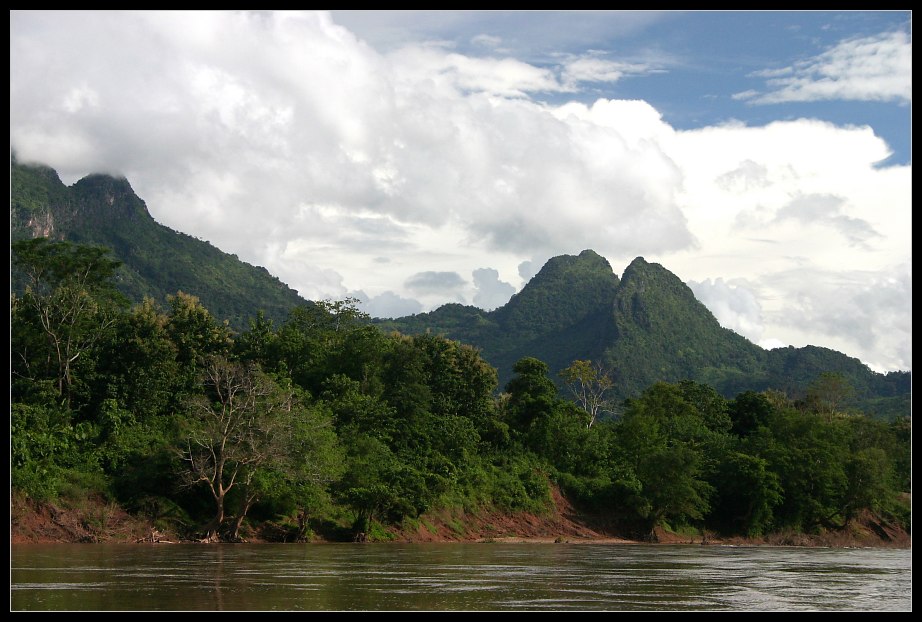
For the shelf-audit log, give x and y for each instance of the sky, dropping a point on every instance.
(410, 159)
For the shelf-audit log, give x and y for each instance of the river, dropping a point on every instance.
(456, 577)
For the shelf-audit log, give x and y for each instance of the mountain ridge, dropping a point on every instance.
(157, 261)
(647, 326)
(644, 327)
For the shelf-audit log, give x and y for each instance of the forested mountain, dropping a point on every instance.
(559, 316)
(157, 261)
(645, 327)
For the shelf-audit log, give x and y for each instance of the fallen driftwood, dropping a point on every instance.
(155, 537)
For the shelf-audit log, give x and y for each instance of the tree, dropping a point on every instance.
(460, 382)
(663, 441)
(368, 485)
(258, 343)
(355, 413)
(829, 393)
(315, 462)
(589, 384)
(196, 336)
(307, 459)
(194, 330)
(901, 452)
(532, 394)
(747, 492)
(748, 411)
(711, 407)
(235, 429)
(809, 455)
(326, 338)
(869, 478)
(566, 442)
(68, 306)
(137, 365)
(668, 473)
(43, 445)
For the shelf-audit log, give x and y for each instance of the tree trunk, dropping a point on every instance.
(238, 523)
(248, 501)
(302, 526)
(214, 526)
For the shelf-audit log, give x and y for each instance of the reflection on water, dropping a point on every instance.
(456, 577)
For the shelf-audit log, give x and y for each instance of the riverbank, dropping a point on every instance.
(565, 524)
(96, 521)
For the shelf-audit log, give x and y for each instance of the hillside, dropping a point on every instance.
(157, 261)
(645, 327)
(562, 310)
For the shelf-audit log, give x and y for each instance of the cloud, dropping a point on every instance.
(505, 77)
(528, 269)
(876, 68)
(860, 312)
(432, 282)
(80, 97)
(827, 210)
(491, 291)
(865, 313)
(798, 214)
(387, 305)
(527, 34)
(747, 176)
(592, 68)
(735, 306)
(488, 41)
(286, 127)
(771, 344)
(743, 95)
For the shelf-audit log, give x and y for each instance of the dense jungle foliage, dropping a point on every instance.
(324, 419)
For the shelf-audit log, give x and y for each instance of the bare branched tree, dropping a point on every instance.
(589, 383)
(236, 428)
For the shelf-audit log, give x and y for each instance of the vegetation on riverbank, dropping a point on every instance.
(327, 428)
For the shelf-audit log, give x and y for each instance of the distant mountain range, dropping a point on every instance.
(644, 327)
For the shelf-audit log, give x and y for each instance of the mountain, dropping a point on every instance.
(559, 312)
(645, 327)
(157, 261)
(660, 329)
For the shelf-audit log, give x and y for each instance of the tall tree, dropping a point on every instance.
(663, 440)
(68, 305)
(315, 462)
(236, 428)
(829, 393)
(196, 334)
(590, 385)
(747, 492)
(532, 394)
(138, 365)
